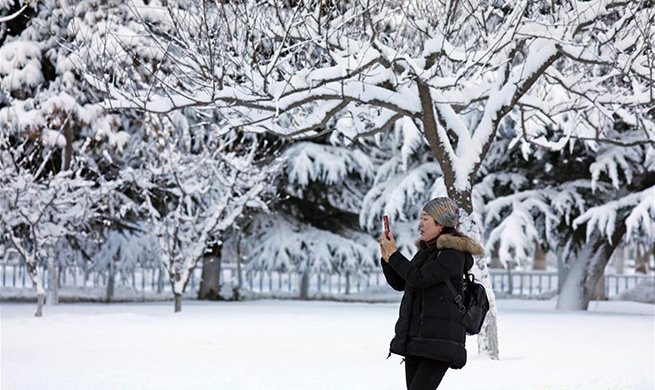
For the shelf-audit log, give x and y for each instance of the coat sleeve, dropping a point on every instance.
(393, 279)
(449, 265)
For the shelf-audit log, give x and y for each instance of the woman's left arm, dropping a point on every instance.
(393, 279)
(449, 265)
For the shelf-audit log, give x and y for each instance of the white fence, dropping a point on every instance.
(538, 282)
(156, 279)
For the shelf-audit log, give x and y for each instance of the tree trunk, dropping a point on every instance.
(304, 285)
(178, 303)
(111, 271)
(598, 292)
(619, 260)
(582, 280)
(160, 280)
(39, 305)
(539, 259)
(347, 282)
(40, 294)
(488, 337)
(495, 259)
(53, 282)
(562, 272)
(239, 260)
(573, 295)
(68, 151)
(210, 283)
(642, 259)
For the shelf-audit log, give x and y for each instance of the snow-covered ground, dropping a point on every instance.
(285, 345)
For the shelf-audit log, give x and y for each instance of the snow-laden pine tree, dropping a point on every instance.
(625, 214)
(580, 202)
(528, 197)
(313, 225)
(43, 97)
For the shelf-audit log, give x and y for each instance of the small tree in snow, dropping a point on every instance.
(192, 198)
(37, 214)
(121, 252)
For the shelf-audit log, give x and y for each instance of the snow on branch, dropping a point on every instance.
(613, 160)
(6, 18)
(638, 210)
(516, 236)
(309, 162)
(517, 222)
(400, 192)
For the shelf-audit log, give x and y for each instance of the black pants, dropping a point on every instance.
(423, 373)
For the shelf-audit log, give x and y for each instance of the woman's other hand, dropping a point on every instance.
(387, 246)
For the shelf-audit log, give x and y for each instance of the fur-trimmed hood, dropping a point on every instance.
(448, 241)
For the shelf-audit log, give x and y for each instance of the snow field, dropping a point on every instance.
(285, 345)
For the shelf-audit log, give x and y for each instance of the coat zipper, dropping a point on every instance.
(420, 322)
(422, 306)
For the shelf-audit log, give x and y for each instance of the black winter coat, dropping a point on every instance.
(430, 324)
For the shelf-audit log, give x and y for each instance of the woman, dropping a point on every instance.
(430, 333)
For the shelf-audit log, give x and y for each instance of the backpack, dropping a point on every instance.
(475, 305)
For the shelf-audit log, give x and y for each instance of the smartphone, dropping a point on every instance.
(387, 230)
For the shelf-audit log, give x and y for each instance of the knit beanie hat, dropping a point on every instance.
(444, 211)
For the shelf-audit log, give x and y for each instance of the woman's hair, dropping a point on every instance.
(452, 231)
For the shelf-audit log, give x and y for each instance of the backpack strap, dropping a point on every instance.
(458, 298)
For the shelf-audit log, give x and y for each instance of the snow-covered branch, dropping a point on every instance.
(6, 18)
(557, 72)
(637, 208)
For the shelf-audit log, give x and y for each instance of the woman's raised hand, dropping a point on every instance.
(387, 246)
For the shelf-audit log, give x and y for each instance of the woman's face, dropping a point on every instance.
(428, 227)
